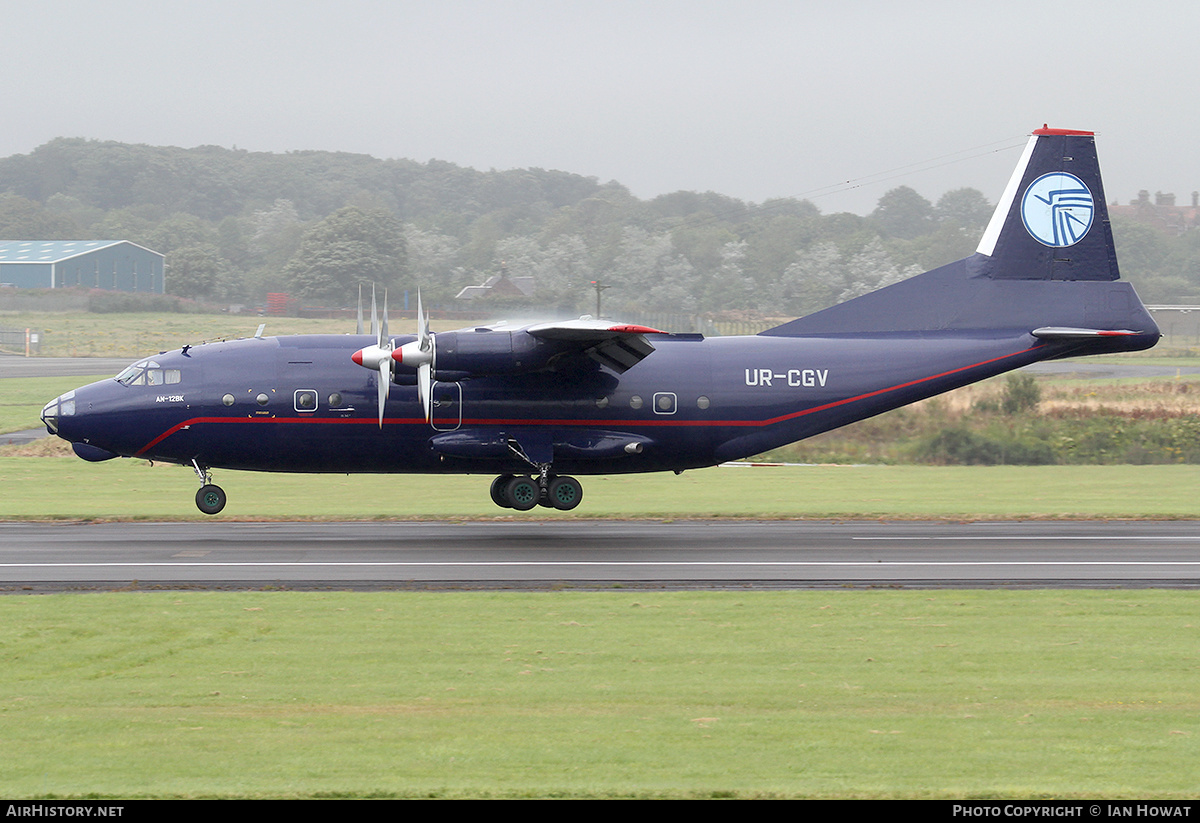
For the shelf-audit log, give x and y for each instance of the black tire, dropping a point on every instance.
(565, 493)
(210, 499)
(497, 490)
(521, 493)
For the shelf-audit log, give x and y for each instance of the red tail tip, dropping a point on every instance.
(1046, 130)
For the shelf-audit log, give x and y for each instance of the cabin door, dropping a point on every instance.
(447, 406)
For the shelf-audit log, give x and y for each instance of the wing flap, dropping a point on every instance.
(619, 346)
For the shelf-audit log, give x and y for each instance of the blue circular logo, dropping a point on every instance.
(1057, 209)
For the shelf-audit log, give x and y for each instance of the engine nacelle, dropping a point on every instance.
(486, 352)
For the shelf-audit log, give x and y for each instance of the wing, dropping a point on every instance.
(619, 346)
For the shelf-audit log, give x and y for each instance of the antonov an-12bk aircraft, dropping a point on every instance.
(537, 404)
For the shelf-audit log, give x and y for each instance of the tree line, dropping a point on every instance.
(236, 225)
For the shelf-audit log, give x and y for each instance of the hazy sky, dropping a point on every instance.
(754, 99)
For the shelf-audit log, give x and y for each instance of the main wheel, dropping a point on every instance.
(565, 492)
(210, 499)
(497, 491)
(521, 493)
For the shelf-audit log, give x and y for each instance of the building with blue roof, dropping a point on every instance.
(116, 265)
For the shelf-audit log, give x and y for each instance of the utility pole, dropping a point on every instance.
(599, 287)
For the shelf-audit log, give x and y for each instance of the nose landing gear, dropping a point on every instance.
(211, 498)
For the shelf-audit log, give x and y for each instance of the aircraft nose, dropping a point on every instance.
(56, 409)
(66, 416)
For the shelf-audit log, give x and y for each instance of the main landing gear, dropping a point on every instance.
(523, 493)
(211, 498)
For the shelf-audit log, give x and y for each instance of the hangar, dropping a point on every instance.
(116, 265)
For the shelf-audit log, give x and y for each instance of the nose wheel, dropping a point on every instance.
(523, 493)
(211, 498)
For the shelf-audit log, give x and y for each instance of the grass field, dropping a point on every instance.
(855, 693)
(138, 334)
(69, 489)
(618, 694)
(22, 399)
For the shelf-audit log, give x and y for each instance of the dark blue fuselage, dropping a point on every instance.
(298, 404)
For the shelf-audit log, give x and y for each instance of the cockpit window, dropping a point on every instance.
(148, 373)
(63, 405)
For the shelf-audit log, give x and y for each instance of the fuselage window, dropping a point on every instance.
(306, 400)
(664, 402)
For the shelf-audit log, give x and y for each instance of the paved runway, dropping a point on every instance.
(717, 554)
(94, 367)
(597, 554)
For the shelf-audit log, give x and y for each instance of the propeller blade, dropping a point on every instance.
(359, 327)
(422, 325)
(385, 381)
(424, 389)
(384, 340)
(374, 316)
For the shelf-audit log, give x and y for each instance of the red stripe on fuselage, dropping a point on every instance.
(575, 422)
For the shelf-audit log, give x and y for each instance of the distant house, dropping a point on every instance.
(499, 285)
(117, 265)
(1162, 213)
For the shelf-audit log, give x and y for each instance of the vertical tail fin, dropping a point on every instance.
(1046, 263)
(1052, 221)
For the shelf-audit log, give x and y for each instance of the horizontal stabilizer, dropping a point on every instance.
(1063, 333)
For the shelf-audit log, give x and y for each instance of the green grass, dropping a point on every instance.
(138, 334)
(861, 693)
(845, 693)
(22, 399)
(68, 488)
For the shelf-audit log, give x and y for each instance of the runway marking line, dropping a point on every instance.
(546, 563)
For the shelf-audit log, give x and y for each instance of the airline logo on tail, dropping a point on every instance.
(1057, 209)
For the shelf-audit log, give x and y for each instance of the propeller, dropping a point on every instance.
(379, 356)
(420, 353)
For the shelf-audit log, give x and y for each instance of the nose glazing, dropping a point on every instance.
(62, 406)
